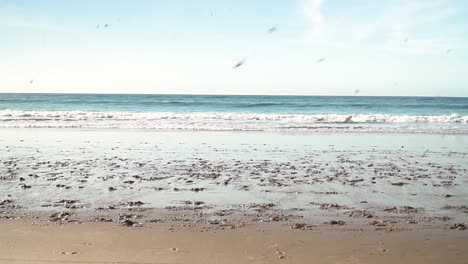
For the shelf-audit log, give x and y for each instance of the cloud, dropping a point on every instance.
(420, 26)
(312, 10)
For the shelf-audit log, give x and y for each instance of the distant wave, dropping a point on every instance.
(216, 121)
(281, 104)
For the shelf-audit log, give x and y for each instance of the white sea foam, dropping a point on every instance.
(234, 121)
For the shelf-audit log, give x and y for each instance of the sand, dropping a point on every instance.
(294, 178)
(21, 242)
(106, 196)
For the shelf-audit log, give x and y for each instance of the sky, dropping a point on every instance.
(320, 47)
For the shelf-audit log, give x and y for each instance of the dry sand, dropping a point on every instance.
(21, 242)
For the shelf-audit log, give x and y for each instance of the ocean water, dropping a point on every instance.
(236, 113)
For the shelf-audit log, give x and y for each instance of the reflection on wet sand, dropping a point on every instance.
(229, 180)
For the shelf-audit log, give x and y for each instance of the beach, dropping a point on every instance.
(347, 197)
(85, 179)
(243, 132)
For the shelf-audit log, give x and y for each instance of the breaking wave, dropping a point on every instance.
(218, 121)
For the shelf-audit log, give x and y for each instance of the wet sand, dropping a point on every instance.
(227, 180)
(103, 243)
(315, 195)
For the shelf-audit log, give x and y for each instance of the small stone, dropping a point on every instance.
(334, 222)
(137, 203)
(458, 226)
(298, 226)
(129, 223)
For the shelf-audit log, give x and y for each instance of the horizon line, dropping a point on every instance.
(201, 94)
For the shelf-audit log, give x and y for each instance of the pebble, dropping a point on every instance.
(129, 223)
(458, 226)
(334, 222)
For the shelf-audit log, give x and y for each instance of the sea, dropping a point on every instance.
(444, 115)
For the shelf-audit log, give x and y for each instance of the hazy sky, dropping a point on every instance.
(391, 47)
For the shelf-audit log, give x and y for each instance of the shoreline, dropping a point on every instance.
(280, 132)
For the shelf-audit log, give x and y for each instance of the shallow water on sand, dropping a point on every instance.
(232, 169)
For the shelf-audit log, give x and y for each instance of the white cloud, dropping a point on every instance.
(395, 26)
(312, 10)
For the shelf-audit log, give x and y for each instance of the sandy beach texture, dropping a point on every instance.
(103, 243)
(123, 196)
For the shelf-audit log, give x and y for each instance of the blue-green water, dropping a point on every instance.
(229, 103)
(218, 112)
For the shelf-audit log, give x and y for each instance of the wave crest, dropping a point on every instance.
(233, 121)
